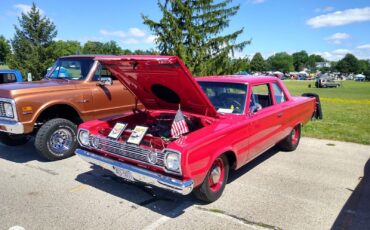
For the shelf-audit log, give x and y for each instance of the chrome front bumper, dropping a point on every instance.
(138, 174)
(9, 126)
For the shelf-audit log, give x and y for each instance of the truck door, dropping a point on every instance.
(108, 100)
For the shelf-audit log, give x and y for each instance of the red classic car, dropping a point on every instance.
(193, 131)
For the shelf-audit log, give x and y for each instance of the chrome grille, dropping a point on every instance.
(2, 109)
(126, 150)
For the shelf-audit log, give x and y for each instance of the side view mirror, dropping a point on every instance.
(255, 108)
(105, 81)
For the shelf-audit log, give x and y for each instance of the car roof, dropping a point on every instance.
(90, 56)
(238, 79)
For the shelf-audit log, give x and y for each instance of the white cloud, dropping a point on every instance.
(337, 38)
(365, 46)
(136, 32)
(338, 54)
(130, 41)
(24, 8)
(150, 39)
(132, 36)
(257, 1)
(339, 18)
(325, 9)
(116, 33)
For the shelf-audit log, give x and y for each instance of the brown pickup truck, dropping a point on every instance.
(76, 89)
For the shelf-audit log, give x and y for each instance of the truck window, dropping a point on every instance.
(71, 69)
(261, 96)
(278, 93)
(103, 72)
(7, 78)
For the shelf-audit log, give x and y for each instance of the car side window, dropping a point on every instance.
(7, 78)
(103, 72)
(260, 97)
(278, 93)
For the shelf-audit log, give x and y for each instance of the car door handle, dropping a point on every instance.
(280, 114)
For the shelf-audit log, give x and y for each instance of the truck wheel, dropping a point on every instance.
(215, 181)
(56, 139)
(291, 142)
(13, 139)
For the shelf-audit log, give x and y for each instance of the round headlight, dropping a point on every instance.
(172, 161)
(83, 137)
(95, 142)
(8, 110)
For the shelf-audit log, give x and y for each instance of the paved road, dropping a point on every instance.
(322, 185)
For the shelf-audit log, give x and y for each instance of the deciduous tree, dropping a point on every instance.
(281, 62)
(300, 60)
(257, 64)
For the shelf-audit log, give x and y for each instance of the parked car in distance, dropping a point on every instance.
(226, 122)
(326, 83)
(77, 89)
(10, 76)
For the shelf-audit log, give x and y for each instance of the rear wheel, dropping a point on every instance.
(13, 139)
(215, 181)
(56, 139)
(290, 143)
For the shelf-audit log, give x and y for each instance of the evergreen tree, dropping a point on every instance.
(192, 30)
(32, 44)
(5, 50)
(258, 64)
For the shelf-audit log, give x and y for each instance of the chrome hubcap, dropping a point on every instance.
(216, 174)
(61, 141)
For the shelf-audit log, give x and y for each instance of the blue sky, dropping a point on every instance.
(331, 28)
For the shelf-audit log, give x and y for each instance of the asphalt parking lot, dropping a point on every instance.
(322, 185)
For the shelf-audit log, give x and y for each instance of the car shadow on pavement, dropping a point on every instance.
(157, 200)
(20, 154)
(255, 162)
(355, 213)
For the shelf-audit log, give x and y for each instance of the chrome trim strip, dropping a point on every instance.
(9, 126)
(15, 114)
(139, 174)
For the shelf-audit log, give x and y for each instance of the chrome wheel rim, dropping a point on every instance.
(60, 141)
(216, 176)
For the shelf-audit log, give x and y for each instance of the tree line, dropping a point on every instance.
(299, 61)
(192, 30)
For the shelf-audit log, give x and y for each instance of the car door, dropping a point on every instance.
(264, 120)
(107, 100)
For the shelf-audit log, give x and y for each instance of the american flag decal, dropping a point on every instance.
(179, 125)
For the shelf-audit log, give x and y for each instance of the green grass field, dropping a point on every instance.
(4, 67)
(346, 111)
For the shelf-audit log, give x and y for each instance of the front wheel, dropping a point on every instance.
(13, 139)
(290, 143)
(56, 139)
(214, 183)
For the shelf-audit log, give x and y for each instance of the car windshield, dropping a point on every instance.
(226, 97)
(70, 69)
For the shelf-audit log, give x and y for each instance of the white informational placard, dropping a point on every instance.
(117, 130)
(137, 135)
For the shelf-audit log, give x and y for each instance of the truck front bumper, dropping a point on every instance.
(9, 126)
(138, 174)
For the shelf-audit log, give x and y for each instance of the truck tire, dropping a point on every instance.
(13, 139)
(215, 181)
(290, 142)
(318, 111)
(56, 139)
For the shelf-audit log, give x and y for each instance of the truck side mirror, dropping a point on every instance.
(105, 81)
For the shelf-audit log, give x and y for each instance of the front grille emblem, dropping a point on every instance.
(152, 157)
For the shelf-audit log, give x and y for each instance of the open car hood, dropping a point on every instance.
(160, 82)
